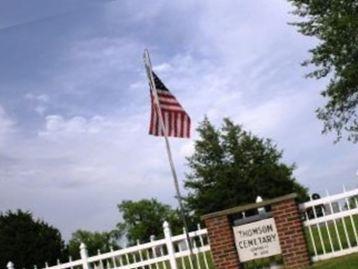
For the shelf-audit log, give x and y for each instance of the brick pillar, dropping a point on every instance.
(290, 232)
(222, 242)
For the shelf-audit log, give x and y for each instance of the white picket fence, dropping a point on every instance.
(331, 225)
(171, 252)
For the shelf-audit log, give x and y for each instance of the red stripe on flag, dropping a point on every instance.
(169, 126)
(151, 120)
(157, 125)
(175, 121)
(182, 125)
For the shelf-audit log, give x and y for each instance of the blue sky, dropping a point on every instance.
(74, 103)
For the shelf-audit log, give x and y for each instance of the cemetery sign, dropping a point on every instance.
(257, 240)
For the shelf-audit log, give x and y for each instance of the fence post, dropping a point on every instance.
(10, 265)
(169, 243)
(154, 250)
(84, 256)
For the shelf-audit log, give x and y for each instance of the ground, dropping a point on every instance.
(345, 262)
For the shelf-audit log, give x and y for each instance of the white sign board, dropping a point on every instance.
(257, 240)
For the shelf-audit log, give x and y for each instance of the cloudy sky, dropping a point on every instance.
(74, 103)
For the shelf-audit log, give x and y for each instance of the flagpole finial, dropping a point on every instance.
(145, 52)
(146, 57)
(147, 60)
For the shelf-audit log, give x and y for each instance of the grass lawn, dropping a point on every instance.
(345, 262)
(338, 236)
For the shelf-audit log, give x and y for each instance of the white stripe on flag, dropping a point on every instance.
(171, 107)
(168, 100)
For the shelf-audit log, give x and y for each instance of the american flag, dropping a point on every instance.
(176, 120)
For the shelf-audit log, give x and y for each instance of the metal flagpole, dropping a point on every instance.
(148, 66)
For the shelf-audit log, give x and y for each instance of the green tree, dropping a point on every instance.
(94, 241)
(28, 242)
(335, 24)
(144, 218)
(231, 167)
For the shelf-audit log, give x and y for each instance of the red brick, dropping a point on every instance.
(290, 232)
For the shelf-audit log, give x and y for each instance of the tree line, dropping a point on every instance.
(229, 167)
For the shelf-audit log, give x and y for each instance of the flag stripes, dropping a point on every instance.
(176, 120)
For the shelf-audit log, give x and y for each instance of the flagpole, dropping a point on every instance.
(148, 66)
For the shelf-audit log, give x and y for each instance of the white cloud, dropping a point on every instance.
(56, 126)
(44, 98)
(40, 102)
(7, 125)
(40, 109)
(104, 159)
(187, 149)
(163, 67)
